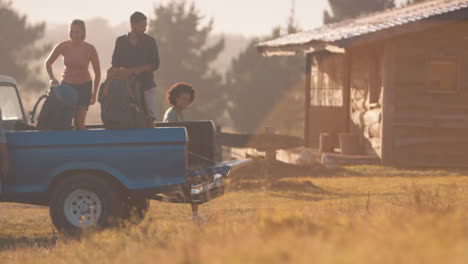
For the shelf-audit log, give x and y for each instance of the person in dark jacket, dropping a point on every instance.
(136, 53)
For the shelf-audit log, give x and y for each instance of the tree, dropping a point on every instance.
(345, 9)
(18, 49)
(257, 84)
(186, 56)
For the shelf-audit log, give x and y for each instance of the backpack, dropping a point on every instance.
(122, 104)
(58, 109)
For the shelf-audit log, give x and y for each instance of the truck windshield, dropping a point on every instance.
(9, 103)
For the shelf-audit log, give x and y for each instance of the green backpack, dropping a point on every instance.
(122, 104)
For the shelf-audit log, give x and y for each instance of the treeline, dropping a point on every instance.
(254, 92)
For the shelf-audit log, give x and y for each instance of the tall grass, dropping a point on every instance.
(365, 218)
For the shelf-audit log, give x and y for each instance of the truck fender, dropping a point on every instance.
(68, 168)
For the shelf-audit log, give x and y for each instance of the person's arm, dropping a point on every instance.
(116, 55)
(155, 62)
(56, 52)
(115, 62)
(97, 75)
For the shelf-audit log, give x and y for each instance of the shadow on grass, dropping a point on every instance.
(25, 242)
(331, 196)
(294, 182)
(277, 185)
(260, 169)
(380, 171)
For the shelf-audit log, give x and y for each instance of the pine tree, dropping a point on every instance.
(19, 50)
(257, 84)
(186, 56)
(346, 9)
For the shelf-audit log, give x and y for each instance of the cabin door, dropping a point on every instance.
(327, 111)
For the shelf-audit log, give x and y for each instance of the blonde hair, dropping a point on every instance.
(81, 24)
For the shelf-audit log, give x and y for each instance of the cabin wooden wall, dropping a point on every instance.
(366, 97)
(430, 127)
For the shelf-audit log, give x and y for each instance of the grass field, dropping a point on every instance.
(274, 215)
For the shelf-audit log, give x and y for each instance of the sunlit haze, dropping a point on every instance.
(240, 16)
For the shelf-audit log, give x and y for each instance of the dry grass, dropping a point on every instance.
(352, 215)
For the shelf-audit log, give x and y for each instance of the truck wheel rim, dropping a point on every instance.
(82, 208)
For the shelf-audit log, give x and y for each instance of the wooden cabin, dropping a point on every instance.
(398, 79)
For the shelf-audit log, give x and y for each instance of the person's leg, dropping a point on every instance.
(84, 97)
(150, 103)
(80, 118)
(194, 210)
(195, 215)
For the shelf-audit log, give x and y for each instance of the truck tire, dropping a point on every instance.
(135, 210)
(85, 201)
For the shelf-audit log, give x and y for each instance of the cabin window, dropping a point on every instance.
(327, 81)
(443, 76)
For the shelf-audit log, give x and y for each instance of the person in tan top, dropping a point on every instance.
(77, 54)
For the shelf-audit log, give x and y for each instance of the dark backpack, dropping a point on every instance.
(122, 104)
(58, 109)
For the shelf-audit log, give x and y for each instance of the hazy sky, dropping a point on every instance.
(250, 17)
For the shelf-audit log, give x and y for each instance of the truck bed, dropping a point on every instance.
(139, 158)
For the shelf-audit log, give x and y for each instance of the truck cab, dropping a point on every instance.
(11, 106)
(99, 177)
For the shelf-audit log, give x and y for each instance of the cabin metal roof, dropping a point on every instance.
(334, 36)
(7, 80)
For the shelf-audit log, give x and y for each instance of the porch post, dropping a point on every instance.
(307, 97)
(388, 105)
(347, 89)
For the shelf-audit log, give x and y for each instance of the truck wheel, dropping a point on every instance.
(135, 210)
(83, 201)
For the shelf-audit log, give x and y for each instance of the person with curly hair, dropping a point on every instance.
(181, 96)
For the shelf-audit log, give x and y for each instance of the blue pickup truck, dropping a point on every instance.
(98, 177)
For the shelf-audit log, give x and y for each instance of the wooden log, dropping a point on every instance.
(430, 124)
(374, 130)
(429, 140)
(432, 108)
(372, 116)
(404, 132)
(419, 115)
